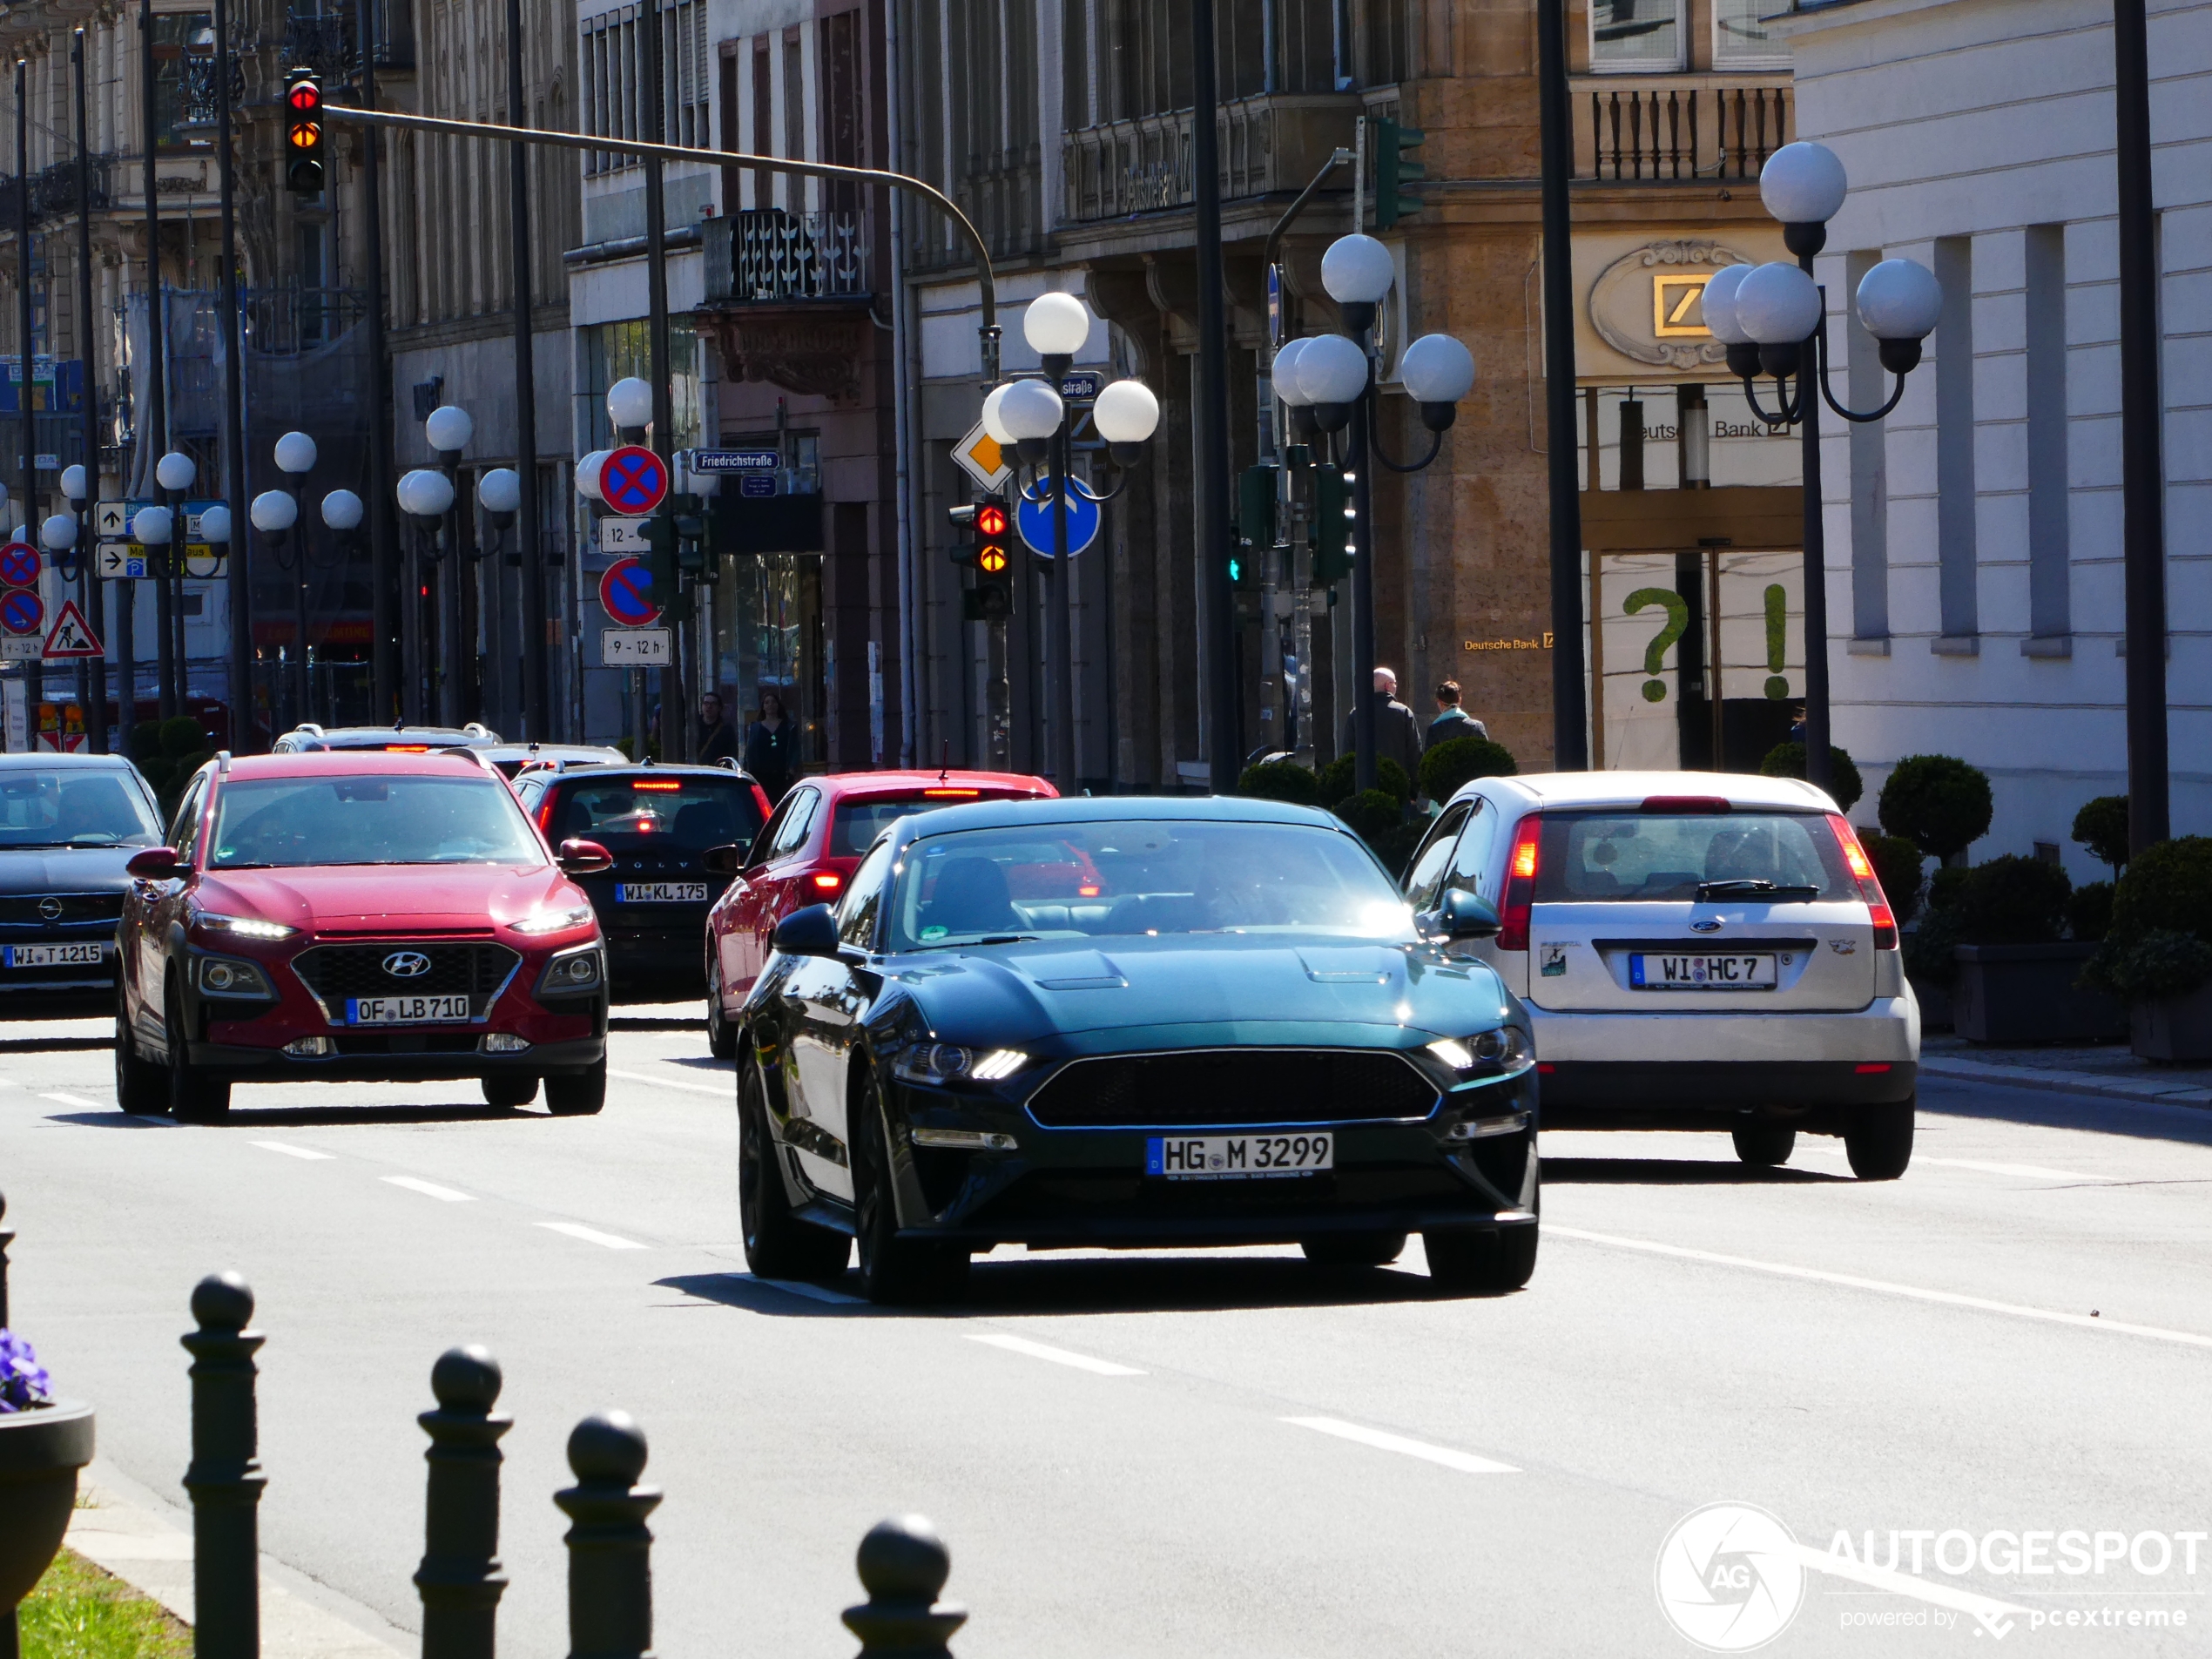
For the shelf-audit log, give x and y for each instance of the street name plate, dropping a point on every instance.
(735, 460)
(622, 536)
(1079, 388)
(634, 647)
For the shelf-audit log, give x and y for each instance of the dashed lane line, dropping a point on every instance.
(1883, 1287)
(592, 1235)
(60, 1099)
(428, 1188)
(726, 1092)
(1465, 1462)
(292, 1151)
(2025, 1171)
(1058, 1356)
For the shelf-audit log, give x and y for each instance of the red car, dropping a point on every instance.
(805, 854)
(358, 917)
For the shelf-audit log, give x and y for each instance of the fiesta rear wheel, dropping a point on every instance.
(1353, 1250)
(777, 1244)
(579, 1095)
(504, 1090)
(1764, 1146)
(140, 1087)
(893, 1271)
(194, 1097)
(1474, 1261)
(1879, 1140)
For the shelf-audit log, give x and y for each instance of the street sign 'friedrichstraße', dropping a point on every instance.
(735, 460)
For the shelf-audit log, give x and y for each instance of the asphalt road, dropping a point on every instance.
(1181, 1453)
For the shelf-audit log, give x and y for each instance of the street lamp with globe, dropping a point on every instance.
(174, 473)
(1773, 319)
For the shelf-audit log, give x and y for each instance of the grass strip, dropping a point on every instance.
(78, 1611)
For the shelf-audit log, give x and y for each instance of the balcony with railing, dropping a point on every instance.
(1680, 129)
(1271, 143)
(770, 256)
(53, 191)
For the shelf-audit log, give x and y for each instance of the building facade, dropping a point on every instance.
(1974, 561)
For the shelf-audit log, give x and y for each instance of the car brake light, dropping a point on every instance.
(545, 815)
(1521, 885)
(951, 794)
(828, 880)
(407, 748)
(1870, 885)
(1686, 804)
(662, 784)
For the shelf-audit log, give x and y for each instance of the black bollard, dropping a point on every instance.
(611, 1573)
(460, 1580)
(7, 1237)
(225, 1479)
(903, 1564)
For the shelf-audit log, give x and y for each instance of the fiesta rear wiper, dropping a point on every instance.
(1755, 886)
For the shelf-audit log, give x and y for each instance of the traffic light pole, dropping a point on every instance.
(676, 708)
(26, 396)
(241, 675)
(88, 570)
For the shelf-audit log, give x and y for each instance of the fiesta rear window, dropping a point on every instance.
(1636, 857)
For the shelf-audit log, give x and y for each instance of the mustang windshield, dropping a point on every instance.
(73, 808)
(284, 822)
(1125, 878)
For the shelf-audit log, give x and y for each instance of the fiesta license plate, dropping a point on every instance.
(1237, 1157)
(406, 1010)
(53, 955)
(1708, 973)
(660, 893)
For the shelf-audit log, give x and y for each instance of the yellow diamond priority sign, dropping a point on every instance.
(981, 458)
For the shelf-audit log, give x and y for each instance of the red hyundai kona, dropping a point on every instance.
(358, 917)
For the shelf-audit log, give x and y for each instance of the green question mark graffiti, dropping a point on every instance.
(1777, 639)
(1677, 625)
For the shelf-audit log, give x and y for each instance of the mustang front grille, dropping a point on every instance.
(1232, 1088)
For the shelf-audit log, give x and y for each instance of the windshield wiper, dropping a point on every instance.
(1009, 939)
(1754, 887)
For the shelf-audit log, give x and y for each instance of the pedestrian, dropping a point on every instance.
(1798, 724)
(1398, 733)
(1452, 721)
(772, 747)
(718, 739)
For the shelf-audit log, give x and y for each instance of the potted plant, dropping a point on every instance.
(1942, 805)
(44, 1442)
(2016, 975)
(2157, 953)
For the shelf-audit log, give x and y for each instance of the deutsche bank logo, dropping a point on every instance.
(1730, 1577)
(407, 964)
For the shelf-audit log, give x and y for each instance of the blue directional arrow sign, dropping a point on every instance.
(1034, 520)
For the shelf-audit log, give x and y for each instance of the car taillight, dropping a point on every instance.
(1869, 887)
(827, 880)
(1521, 885)
(545, 814)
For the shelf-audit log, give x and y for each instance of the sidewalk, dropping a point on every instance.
(2106, 1068)
(153, 1554)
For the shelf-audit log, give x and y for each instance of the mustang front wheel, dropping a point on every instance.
(1477, 1259)
(777, 1244)
(894, 1270)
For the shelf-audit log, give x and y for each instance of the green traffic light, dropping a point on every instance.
(1394, 170)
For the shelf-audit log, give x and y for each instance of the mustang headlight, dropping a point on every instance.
(945, 1062)
(554, 921)
(1506, 1049)
(229, 976)
(242, 927)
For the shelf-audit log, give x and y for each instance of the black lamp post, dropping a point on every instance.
(1774, 320)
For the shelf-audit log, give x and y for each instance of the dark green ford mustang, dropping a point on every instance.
(1131, 1022)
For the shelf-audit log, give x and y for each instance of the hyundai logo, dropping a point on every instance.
(1706, 925)
(407, 964)
(51, 908)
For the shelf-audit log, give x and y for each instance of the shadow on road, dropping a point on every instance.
(1677, 1172)
(250, 1117)
(2049, 1109)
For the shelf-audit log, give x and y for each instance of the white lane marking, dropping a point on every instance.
(799, 1287)
(1992, 1615)
(1914, 1292)
(728, 1091)
(2026, 1171)
(1465, 1462)
(75, 1100)
(290, 1151)
(1058, 1356)
(592, 1235)
(428, 1188)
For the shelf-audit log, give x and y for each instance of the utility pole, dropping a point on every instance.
(153, 425)
(241, 675)
(27, 396)
(383, 530)
(1218, 642)
(536, 706)
(675, 711)
(1570, 706)
(88, 577)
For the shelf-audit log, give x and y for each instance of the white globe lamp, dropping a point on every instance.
(1056, 325)
(295, 453)
(152, 526)
(630, 403)
(342, 510)
(1437, 371)
(1900, 302)
(215, 524)
(448, 429)
(175, 471)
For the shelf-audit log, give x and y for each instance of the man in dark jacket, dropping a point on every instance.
(717, 737)
(1398, 734)
(1452, 721)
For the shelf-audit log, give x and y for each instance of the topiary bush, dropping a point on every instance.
(1373, 813)
(1937, 802)
(2011, 901)
(1283, 780)
(2169, 887)
(2160, 963)
(1391, 777)
(1457, 762)
(2089, 913)
(2101, 825)
(1336, 780)
(1897, 866)
(1788, 760)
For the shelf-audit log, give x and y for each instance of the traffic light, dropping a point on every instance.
(1331, 528)
(989, 526)
(1255, 525)
(303, 132)
(689, 513)
(1394, 170)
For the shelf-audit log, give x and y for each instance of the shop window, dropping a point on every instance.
(1636, 34)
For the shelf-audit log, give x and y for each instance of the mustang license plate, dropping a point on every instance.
(660, 893)
(92, 954)
(1713, 973)
(1237, 1157)
(406, 1010)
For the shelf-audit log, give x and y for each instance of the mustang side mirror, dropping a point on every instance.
(584, 858)
(724, 860)
(155, 864)
(1466, 916)
(810, 932)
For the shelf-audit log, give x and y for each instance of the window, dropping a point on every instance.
(1627, 858)
(856, 917)
(614, 349)
(787, 831)
(1471, 859)
(77, 808)
(617, 102)
(680, 813)
(1959, 601)
(1425, 878)
(278, 823)
(1740, 40)
(1636, 34)
(184, 829)
(183, 80)
(2049, 500)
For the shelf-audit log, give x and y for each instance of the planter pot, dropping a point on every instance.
(1935, 1005)
(40, 1453)
(2026, 994)
(2173, 1028)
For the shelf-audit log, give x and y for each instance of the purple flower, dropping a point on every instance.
(23, 1382)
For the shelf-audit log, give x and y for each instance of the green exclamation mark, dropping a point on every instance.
(1777, 639)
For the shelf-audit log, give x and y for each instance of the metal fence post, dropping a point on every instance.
(903, 1564)
(610, 1576)
(225, 1479)
(460, 1580)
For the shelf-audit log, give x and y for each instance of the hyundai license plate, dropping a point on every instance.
(660, 893)
(1237, 1157)
(406, 1010)
(53, 955)
(1707, 972)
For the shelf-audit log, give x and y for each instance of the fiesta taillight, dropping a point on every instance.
(1870, 885)
(1521, 885)
(828, 880)
(950, 794)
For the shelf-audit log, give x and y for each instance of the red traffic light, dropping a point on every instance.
(305, 97)
(990, 520)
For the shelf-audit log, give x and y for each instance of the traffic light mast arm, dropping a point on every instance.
(1273, 246)
(942, 203)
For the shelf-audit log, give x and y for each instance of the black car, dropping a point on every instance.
(68, 824)
(655, 821)
(1131, 1022)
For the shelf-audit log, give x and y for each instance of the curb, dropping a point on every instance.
(2070, 1083)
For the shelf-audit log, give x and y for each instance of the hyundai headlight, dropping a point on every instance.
(554, 922)
(242, 927)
